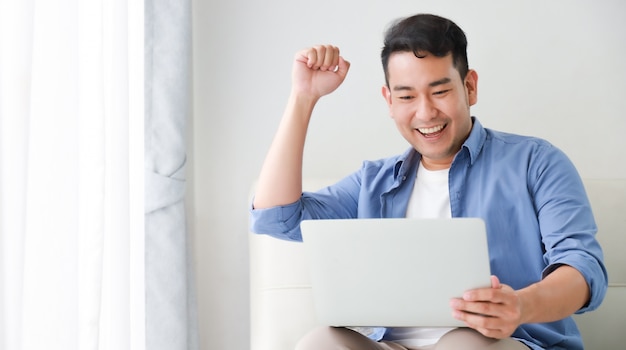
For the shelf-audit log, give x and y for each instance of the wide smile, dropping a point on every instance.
(432, 131)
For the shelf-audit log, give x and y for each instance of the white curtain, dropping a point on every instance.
(72, 259)
(170, 298)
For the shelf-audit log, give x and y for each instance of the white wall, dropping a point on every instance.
(552, 69)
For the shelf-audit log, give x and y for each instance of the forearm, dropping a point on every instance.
(558, 295)
(280, 180)
(317, 71)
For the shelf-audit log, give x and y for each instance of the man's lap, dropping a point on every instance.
(337, 338)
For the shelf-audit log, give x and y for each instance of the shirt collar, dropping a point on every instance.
(475, 140)
(406, 162)
(473, 144)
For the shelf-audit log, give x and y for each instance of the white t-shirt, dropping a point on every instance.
(431, 196)
(430, 199)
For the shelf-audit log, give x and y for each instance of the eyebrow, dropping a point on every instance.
(431, 84)
(440, 82)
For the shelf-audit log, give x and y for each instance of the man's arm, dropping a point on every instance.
(317, 71)
(496, 312)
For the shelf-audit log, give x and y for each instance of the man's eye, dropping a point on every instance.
(405, 97)
(442, 92)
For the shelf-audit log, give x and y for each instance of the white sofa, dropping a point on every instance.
(280, 294)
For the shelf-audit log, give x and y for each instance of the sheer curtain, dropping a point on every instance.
(170, 298)
(72, 259)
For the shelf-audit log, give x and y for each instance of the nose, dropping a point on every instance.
(425, 109)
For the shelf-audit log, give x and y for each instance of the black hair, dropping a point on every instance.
(425, 34)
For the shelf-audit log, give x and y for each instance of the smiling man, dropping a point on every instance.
(430, 102)
(545, 260)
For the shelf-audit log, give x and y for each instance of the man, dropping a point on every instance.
(545, 259)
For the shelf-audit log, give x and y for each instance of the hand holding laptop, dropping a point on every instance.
(494, 310)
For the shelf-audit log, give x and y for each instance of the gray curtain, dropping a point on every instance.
(170, 294)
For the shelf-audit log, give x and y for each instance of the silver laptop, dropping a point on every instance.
(394, 272)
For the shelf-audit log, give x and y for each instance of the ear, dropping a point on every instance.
(471, 87)
(387, 96)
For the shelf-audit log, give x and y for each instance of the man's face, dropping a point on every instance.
(430, 105)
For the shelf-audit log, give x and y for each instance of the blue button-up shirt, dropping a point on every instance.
(526, 190)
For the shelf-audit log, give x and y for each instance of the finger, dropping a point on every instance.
(313, 57)
(342, 67)
(462, 309)
(481, 309)
(474, 319)
(508, 311)
(495, 282)
(490, 327)
(493, 327)
(481, 294)
(484, 294)
(307, 56)
(331, 58)
(318, 56)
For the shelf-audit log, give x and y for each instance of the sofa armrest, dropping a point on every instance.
(281, 303)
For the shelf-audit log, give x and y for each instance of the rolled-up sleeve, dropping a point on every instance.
(568, 226)
(338, 201)
(281, 222)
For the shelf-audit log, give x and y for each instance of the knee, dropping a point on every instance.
(331, 338)
(467, 338)
(462, 337)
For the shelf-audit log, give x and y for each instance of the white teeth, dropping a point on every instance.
(430, 130)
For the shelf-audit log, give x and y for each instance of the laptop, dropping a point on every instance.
(394, 272)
